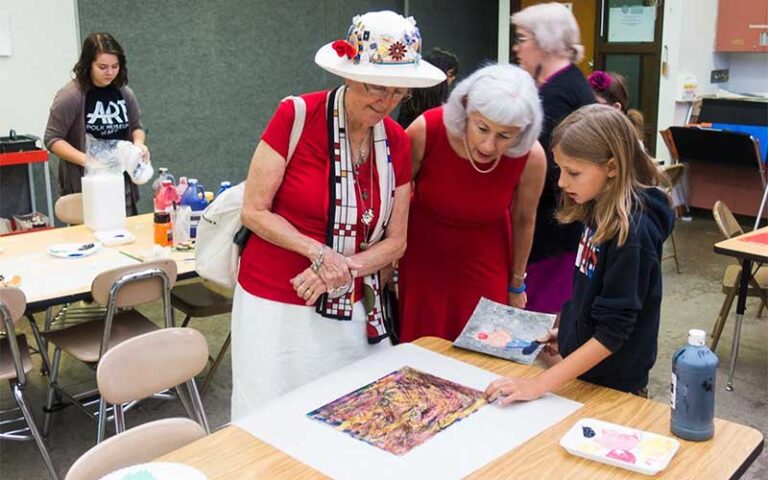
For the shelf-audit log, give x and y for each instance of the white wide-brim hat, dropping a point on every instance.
(382, 48)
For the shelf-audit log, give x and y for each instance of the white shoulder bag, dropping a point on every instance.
(217, 250)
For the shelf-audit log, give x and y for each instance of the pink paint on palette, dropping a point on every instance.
(621, 446)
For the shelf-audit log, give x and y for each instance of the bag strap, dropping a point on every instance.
(300, 112)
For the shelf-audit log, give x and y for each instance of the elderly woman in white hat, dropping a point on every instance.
(326, 217)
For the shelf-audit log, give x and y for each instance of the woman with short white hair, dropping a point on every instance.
(547, 45)
(478, 172)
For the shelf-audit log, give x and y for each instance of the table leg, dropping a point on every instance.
(741, 304)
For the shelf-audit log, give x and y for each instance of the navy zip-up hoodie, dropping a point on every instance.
(617, 297)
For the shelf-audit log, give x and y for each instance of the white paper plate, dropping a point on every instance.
(157, 471)
(620, 446)
(74, 250)
(1, 249)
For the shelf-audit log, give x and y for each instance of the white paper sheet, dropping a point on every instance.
(453, 453)
(43, 275)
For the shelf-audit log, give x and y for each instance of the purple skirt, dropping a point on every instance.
(549, 283)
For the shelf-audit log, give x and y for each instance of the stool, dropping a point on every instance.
(197, 300)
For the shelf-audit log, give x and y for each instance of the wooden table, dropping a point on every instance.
(232, 453)
(35, 242)
(747, 252)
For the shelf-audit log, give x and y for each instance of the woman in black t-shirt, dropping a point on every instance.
(97, 102)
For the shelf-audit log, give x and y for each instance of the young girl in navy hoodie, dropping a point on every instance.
(607, 332)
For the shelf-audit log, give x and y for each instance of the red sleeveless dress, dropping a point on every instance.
(459, 238)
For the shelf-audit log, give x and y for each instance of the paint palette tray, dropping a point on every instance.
(620, 446)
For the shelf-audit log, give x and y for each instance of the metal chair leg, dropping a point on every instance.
(674, 252)
(216, 363)
(197, 404)
(186, 321)
(20, 396)
(51, 391)
(722, 318)
(102, 421)
(117, 411)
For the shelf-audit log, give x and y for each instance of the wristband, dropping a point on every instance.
(518, 290)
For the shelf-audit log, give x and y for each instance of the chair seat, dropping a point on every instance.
(732, 271)
(7, 369)
(197, 300)
(82, 341)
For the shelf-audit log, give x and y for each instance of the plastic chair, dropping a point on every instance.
(69, 209)
(673, 174)
(15, 363)
(197, 300)
(119, 288)
(137, 445)
(758, 284)
(134, 370)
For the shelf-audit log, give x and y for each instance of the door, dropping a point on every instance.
(628, 41)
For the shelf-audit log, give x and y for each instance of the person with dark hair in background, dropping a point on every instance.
(422, 99)
(611, 89)
(547, 45)
(98, 102)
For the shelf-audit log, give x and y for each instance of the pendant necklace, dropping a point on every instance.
(367, 216)
(472, 160)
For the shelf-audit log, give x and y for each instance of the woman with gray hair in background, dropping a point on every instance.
(478, 172)
(547, 45)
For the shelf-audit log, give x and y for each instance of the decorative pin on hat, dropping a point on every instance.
(382, 48)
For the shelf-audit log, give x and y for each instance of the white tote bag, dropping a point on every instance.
(217, 253)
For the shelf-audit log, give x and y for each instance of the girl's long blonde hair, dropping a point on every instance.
(599, 133)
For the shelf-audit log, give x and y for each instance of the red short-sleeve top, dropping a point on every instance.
(302, 199)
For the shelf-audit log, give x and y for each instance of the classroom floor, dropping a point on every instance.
(691, 300)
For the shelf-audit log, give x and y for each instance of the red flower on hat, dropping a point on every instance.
(343, 48)
(397, 51)
(599, 80)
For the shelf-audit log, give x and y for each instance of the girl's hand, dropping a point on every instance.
(508, 390)
(517, 300)
(387, 275)
(550, 342)
(309, 286)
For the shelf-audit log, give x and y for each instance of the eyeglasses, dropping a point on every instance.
(400, 94)
(521, 39)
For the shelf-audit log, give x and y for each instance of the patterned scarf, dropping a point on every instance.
(343, 214)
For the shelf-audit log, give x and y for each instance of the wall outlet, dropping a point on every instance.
(719, 76)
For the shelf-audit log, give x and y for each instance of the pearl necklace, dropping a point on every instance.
(472, 160)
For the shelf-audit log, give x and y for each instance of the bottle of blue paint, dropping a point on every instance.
(693, 389)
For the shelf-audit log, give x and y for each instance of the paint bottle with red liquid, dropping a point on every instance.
(694, 368)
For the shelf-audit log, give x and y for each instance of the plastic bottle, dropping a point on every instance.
(166, 196)
(162, 174)
(182, 186)
(194, 196)
(162, 228)
(693, 389)
(224, 185)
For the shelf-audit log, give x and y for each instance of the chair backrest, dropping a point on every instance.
(150, 363)
(144, 289)
(673, 174)
(69, 209)
(138, 445)
(15, 302)
(725, 220)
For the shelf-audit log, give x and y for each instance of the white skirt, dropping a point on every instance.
(277, 347)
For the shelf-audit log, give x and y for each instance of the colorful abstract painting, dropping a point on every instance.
(401, 410)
